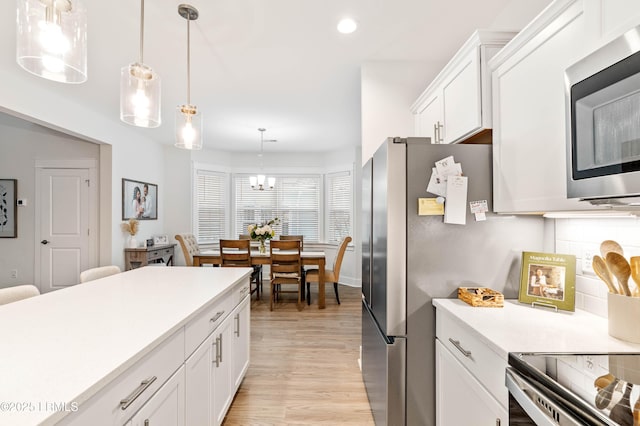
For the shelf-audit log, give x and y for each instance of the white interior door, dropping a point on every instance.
(64, 226)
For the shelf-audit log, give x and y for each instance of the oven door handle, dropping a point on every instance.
(541, 409)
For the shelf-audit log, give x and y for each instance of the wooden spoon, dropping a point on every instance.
(634, 263)
(621, 412)
(603, 381)
(604, 395)
(610, 246)
(621, 269)
(636, 413)
(600, 268)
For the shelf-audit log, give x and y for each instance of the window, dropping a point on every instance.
(295, 200)
(339, 203)
(210, 206)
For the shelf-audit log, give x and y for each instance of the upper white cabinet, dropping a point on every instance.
(457, 104)
(529, 139)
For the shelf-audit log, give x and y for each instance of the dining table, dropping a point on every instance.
(316, 258)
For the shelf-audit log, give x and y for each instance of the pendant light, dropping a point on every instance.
(258, 182)
(51, 39)
(140, 89)
(188, 118)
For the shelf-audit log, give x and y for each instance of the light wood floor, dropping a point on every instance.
(304, 364)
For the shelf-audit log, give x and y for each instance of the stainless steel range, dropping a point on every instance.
(574, 389)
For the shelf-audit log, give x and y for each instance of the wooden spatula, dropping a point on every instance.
(620, 269)
(600, 268)
(634, 263)
(610, 246)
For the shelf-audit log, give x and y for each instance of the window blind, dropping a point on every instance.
(295, 200)
(210, 206)
(339, 202)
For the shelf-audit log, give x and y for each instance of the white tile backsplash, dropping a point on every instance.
(582, 238)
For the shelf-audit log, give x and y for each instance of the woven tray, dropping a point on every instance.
(481, 296)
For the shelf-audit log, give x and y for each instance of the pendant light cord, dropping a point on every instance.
(188, 60)
(141, 32)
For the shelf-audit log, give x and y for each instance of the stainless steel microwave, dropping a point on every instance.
(603, 123)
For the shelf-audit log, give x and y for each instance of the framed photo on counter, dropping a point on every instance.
(548, 279)
(139, 200)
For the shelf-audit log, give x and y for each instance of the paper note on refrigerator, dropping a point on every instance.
(455, 206)
(439, 175)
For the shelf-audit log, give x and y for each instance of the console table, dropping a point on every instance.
(142, 256)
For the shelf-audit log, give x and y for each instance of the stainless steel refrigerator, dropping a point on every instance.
(407, 260)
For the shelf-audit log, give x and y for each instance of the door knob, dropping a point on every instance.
(45, 242)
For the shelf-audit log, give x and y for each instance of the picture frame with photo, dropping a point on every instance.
(8, 203)
(548, 279)
(139, 200)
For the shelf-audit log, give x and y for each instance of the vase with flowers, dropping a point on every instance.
(262, 232)
(132, 228)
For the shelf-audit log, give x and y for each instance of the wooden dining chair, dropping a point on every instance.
(330, 275)
(301, 239)
(237, 253)
(256, 268)
(285, 269)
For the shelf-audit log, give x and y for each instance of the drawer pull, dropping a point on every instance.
(216, 316)
(456, 343)
(237, 331)
(125, 403)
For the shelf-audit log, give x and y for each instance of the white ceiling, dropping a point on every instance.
(277, 64)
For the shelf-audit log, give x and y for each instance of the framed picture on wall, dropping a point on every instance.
(139, 200)
(8, 201)
(548, 279)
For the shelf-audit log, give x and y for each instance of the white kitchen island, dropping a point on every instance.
(72, 356)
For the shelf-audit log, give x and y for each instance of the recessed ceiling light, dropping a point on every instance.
(347, 26)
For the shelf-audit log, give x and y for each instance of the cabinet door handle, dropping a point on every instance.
(146, 422)
(237, 330)
(435, 133)
(456, 343)
(438, 127)
(498, 422)
(220, 347)
(216, 358)
(216, 316)
(125, 403)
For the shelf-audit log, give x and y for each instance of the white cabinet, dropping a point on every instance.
(241, 343)
(221, 380)
(529, 132)
(216, 368)
(166, 407)
(460, 398)
(199, 393)
(457, 104)
(469, 374)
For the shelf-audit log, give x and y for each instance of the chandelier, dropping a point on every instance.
(260, 182)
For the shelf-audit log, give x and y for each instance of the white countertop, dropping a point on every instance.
(64, 346)
(520, 328)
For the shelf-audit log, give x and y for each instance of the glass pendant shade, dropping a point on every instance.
(140, 96)
(272, 182)
(188, 127)
(51, 39)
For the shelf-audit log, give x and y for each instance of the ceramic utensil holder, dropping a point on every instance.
(624, 312)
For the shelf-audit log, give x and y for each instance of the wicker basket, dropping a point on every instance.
(481, 296)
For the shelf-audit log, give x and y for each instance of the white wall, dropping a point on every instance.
(388, 89)
(21, 144)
